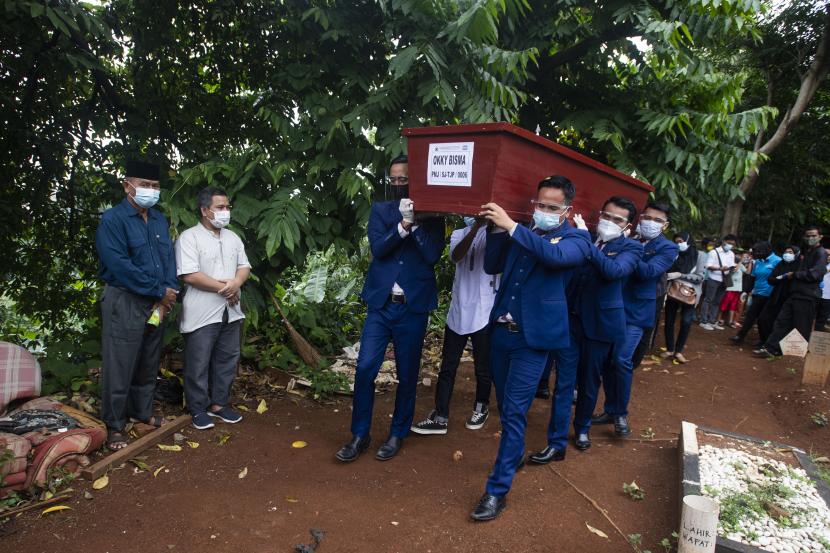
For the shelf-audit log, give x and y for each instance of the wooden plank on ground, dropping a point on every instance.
(97, 470)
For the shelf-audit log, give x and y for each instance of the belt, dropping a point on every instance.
(397, 298)
(511, 325)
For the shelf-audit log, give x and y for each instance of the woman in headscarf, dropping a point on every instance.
(689, 268)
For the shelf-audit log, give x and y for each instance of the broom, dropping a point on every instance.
(310, 356)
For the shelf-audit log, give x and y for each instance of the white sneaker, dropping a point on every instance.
(707, 326)
(719, 326)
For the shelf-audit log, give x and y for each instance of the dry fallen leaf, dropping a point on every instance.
(395, 523)
(299, 444)
(243, 408)
(157, 471)
(87, 495)
(101, 483)
(164, 447)
(291, 499)
(243, 473)
(262, 407)
(821, 460)
(457, 456)
(193, 445)
(599, 533)
(223, 439)
(54, 509)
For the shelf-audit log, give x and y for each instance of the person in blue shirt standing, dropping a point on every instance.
(400, 291)
(529, 316)
(640, 299)
(764, 261)
(138, 265)
(599, 308)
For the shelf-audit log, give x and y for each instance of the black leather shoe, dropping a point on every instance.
(543, 393)
(547, 455)
(736, 340)
(489, 507)
(353, 449)
(389, 449)
(621, 428)
(582, 442)
(603, 418)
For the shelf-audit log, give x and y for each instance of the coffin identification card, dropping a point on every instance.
(450, 164)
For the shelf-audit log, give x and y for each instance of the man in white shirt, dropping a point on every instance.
(473, 292)
(211, 261)
(719, 265)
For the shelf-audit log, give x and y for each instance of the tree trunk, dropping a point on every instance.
(809, 84)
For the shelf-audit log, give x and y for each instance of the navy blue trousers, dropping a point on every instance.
(619, 373)
(593, 356)
(516, 371)
(396, 323)
(567, 361)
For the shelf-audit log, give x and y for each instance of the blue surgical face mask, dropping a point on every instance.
(650, 229)
(546, 221)
(682, 246)
(727, 247)
(469, 221)
(146, 197)
(788, 257)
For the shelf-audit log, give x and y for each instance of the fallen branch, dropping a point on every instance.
(590, 500)
(57, 498)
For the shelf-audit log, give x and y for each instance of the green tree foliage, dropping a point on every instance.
(292, 107)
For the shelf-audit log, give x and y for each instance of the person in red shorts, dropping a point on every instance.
(732, 298)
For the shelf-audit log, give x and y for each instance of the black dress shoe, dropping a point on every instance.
(489, 507)
(582, 442)
(621, 428)
(603, 418)
(543, 393)
(389, 449)
(547, 455)
(737, 340)
(353, 449)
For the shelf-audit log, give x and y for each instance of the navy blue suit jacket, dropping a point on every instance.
(556, 255)
(640, 292)
(408, 261)
(599, 303)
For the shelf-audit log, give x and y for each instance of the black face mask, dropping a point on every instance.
(398, 192)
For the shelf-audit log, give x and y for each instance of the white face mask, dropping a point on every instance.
(607, 231)
(727, 247)
(682, 246)
(650, 229)
(220, 218)
(788, 257)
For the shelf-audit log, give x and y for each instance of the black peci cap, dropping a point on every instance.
(143, 170)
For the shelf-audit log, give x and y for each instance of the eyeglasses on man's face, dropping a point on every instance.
(614, 218)
(548, 208)
(645, 217)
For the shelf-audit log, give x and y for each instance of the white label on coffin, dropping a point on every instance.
(450, 164)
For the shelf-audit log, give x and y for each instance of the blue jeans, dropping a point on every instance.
(396, 323)
(516, 371)
(618, 374)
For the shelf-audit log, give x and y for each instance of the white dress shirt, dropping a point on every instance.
(473, 290)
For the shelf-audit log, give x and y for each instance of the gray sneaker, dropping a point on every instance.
(479, 417)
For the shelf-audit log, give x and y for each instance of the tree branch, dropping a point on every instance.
(809, 85)
(580, 49)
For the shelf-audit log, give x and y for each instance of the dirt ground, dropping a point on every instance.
(420, 500)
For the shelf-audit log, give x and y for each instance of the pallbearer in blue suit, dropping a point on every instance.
(640, 298)
(400, 291)
(598, 306)
(529, 316)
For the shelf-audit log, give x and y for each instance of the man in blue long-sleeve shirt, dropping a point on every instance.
(138, 265)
